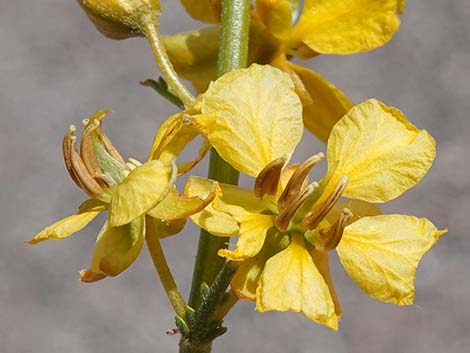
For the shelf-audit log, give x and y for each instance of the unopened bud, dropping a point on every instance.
(120, 19)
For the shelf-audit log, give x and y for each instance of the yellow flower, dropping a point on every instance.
(285, 227)
(139, 198)
(326, 27)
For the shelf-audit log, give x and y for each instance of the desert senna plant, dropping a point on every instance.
(251, 112)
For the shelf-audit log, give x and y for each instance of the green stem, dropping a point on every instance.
(232, 55)
(168, 282)
(150, 28)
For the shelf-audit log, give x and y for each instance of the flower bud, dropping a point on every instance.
(120, 19)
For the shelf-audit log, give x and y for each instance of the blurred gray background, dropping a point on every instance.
(56, 69)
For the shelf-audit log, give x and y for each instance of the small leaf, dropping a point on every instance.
(161, 87)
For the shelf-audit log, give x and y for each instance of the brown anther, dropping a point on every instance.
(87, 182)
(320, 211)
(87, 149)
(267, 180)
(332, 235)
(297, 179)
(109, 147)
(283, 219)
(67, 145)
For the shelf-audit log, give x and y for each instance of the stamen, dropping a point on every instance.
(297, 179)
(108, 179)
(267, 180)
(89, 185)
(130, 166)
(87, 150)
(283, 219)
(332, 235)
(135, 162)
(320, 211)
(67, 153)
(109, 147)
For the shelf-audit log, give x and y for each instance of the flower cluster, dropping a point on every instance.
(254, 118)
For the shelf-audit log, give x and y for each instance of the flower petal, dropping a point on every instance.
(175, 206)
(211, 219)
(346, 26)
(72, 224)
(328, 104)
(115, 250)
(203, 10)
(379, 150)
(381, 254)
(277, 15)
(291, 282)
(164, 229)
(246, 279)
(194, 54)
(245, 115)
(252, 232)
(141, 191)
(171, 139)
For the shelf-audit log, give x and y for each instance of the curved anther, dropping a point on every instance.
(67, 145)
(332, 235)
(283, 219)
(109, 147)
(267, 180)
(88, 183)
(297, 179)
(87, 149)
(320, 211)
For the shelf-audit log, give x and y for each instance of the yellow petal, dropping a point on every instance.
(214, 221)
(246, 279)
(163, 229)
(346, 26)
(203, 10)
(141, 191)
(175, 206)
(379, 150)
(291, 282)
(116, 249)
(382, 253)
(194, 54)
(322, 262)
(72, 224)
(276, 15)
(252, 232)
(328, 104)
(171, 139)
(252, 117)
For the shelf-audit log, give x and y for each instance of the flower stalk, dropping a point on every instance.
(233, 52)
(152, 32)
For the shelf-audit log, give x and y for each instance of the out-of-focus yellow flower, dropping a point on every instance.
(139, 198)
(323, 27)
(286, 227)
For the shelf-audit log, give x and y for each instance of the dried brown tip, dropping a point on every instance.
(332, 235)
(297, 179)
(89, 276)
(267, 180)
(320, 211)
(284, 218)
